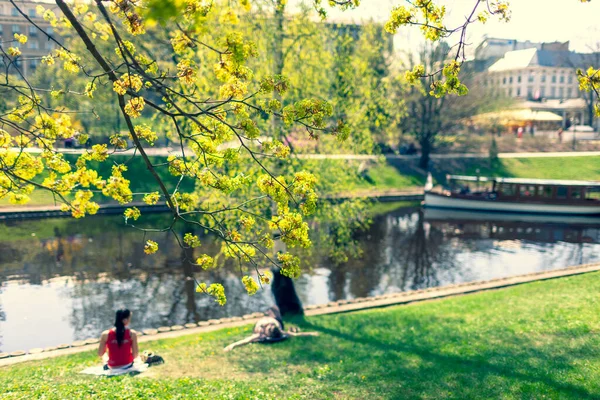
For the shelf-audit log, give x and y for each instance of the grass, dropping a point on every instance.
(141, 179)
(547, 168)
(587, 168)
(379, 176)
(383, 176)
(532, 341)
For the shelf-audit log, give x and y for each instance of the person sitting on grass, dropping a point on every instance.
(269, 329)
(120, 341)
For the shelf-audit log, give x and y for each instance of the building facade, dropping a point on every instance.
(541, 77)
(38, 43)
(534, 74)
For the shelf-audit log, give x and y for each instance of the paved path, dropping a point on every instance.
(330, 308)
(163, 151)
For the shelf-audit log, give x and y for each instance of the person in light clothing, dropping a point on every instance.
(269, 329)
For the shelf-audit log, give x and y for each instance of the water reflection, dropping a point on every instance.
(66, 277)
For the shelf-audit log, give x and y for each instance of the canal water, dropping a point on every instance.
(61, 279)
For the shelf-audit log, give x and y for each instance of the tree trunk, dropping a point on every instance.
(187, 255)
(278, 57)
(285, 295)
(425, 152)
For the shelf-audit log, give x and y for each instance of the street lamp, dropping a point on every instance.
(575, 122)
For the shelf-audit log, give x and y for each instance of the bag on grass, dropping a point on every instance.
(153, 359)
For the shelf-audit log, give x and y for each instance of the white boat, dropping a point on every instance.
(517, 195)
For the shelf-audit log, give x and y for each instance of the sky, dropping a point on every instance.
(535, 20)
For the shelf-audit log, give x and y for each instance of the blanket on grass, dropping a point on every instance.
(137, 368)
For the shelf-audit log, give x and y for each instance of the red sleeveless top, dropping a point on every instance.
(119, 355)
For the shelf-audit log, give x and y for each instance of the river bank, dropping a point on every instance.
(384, 179)
(529, 341)
(336, 307)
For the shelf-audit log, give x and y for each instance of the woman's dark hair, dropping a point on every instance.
(274, 312)
(273, 332)
(121, 315)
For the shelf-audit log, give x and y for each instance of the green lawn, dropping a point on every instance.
(587, 168)
(141, 179)
(378, 176)
(545, 168)
(532, 341)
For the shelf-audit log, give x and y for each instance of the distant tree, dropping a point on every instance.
(428, 114)
(362, 70)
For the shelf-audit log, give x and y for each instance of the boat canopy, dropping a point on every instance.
(524, 181)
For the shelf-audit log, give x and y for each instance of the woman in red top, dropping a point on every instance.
(120, 341)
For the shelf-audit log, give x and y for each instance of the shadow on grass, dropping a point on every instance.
(433, 357)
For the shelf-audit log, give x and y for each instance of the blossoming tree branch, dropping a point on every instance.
(180, 69)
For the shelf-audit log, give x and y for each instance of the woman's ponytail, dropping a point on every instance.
(120, 327)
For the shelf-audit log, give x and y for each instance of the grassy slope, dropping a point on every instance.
(141, 179)
(383, 177)
(532, 341)
(545, 168)
(380, 177)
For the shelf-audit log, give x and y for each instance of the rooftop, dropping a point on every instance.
(520, 59)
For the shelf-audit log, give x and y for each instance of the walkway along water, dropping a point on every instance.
(330, 308)
(170, 151)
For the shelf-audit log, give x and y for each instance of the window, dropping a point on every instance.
(562, 79)
(49, 45)
(570, 78)
(16, 29)
(526, 190)
(543, 92)
(561, 192)
(14, 12)
(529, 91)
(49, 30)
(519, 79)
(33, 44)
(569, 93)
(553, 78)
(504, 81)
(545, 191)
(543, 78)
(576, 193)
(510, 92)
(531, 79)
(592, 193)
(33, 65)
(510, 79)
(553, 91)
(518, 91)
(506, 189)
(561, 92)
(33, 31)
(1, 31)
(31, 13)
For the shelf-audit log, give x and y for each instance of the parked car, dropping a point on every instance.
(384, 148)
(70, 143)
(408, 149)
